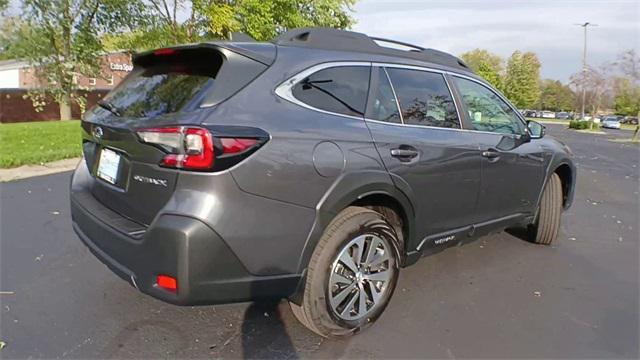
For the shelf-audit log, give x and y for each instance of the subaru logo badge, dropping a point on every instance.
(97, 132)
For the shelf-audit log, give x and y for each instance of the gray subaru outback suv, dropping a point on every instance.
(310, 168)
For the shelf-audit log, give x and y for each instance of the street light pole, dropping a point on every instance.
(584, 63)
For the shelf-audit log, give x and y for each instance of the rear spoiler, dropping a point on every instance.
(264, 53)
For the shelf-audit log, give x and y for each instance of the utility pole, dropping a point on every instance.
(584, 63)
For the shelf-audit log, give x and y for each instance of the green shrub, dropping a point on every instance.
(582, 125)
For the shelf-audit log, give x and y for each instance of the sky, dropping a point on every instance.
(502, 26)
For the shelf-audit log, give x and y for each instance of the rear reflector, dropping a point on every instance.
(167, 283)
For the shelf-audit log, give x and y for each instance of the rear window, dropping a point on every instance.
(169, 82)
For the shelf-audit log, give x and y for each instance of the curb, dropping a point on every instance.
(27, 171)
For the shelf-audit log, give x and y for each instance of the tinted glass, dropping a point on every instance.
(424, 98)
(168, 84)
(486, 110)
(383, 105)
(341, 90)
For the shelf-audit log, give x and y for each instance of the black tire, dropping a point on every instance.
(315, 311)
(547, 222)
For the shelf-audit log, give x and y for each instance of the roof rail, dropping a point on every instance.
(334, 39)
(416, 47)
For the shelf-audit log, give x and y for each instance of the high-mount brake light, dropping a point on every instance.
(161, 52)
(192, 148)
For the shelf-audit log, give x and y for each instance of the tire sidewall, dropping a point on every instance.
(367, 222)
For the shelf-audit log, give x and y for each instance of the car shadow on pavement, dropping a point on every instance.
(264, 335)
(520, 233)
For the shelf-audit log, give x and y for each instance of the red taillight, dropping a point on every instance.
(233, 145)
(192, 148)
(167, 282)
(189, 148)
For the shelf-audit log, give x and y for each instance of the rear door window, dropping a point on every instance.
(424, 98)
(341, 90)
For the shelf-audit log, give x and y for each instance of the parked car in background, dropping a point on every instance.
(563, 115)
(530, 113)
(611, 122)
(548, 115)
(219, 172)
(632, 120)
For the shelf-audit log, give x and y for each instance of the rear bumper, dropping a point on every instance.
(206, 269)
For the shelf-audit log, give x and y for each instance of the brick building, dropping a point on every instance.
(17, 74)
(18, 77)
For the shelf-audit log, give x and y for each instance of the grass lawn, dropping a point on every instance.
(39, 142)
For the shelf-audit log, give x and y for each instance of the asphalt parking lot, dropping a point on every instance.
(499, 297)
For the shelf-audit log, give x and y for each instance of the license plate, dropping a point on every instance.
(108, 166)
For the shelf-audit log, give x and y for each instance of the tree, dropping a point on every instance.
(555, 96)
(62, 40)
(596, 82)
(628, 95)
(522, 79)
(481, 57)
(263, 20)
(218, 19)
(489, 73)
(627, 98)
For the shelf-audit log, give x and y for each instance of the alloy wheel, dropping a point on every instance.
(360, 276)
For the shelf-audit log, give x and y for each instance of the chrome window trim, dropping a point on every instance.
(285, 89)
(433, 127)
(393, 90)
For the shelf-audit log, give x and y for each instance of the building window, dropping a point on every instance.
(92, 81)
(110, 80)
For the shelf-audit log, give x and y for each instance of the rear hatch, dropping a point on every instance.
(167, 89)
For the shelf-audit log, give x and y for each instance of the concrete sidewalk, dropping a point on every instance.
(27, 171)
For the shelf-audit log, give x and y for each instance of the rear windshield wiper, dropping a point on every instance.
(109, 106)
(308, 84)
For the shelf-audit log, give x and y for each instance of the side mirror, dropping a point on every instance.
(535, 129)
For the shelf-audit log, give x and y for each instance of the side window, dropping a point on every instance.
(383, 105)
(341, 90)
(486, 110)
(424, 98)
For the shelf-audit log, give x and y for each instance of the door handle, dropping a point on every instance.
(404, 153)
(491, 154)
